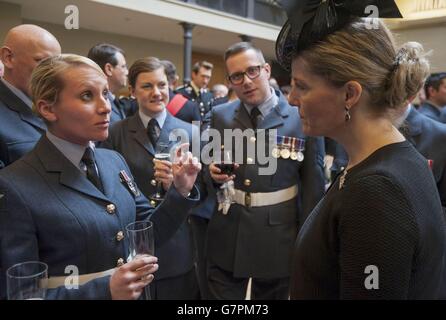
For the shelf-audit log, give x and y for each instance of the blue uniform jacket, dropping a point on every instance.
(50, 211)
(20, 128)
(129, 138)
(258, 241)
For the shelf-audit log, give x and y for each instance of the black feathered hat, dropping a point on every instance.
(310, 21)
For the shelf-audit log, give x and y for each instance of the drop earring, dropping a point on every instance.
(348, 116)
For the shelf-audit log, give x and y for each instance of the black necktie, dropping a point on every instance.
(153, 130)
(92, 173)
(255, 117)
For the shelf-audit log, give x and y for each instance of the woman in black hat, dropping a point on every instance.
(379, 231)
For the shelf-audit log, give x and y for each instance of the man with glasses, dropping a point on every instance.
(112, 61)
(254, 236)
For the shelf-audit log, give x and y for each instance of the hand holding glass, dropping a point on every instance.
(141, 243)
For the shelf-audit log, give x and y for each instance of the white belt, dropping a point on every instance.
(260, 199)
(54, 282)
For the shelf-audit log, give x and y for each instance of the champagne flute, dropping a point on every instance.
(161, 154)
(27, 281)
(141, 243)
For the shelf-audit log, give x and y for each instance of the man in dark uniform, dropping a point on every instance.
(179, 106)
(253, 236)
(20, 129)
(112, 61)
(435, 89)
(197, 90)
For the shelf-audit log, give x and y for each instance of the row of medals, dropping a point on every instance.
(289, 148)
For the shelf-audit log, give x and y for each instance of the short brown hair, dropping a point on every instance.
(104, 53)
(148, 64)
(434, 81)
(240, 47)
(202, 64)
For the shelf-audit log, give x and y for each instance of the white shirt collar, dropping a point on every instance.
(19, 93)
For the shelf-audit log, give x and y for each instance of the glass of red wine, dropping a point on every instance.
(226, 165)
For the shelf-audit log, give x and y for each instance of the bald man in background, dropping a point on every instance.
(23, 48)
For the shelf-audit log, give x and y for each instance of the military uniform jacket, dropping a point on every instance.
(20, 128)
(429, 137)
(258, 241)
(117, 111)
(431, 111)
(129, 138)
(189, 112)
(50, 211)
(203, 100)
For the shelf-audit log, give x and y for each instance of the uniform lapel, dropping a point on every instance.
(275, 118)
(54, 161)
(167, 128)
(242, 117)
(140, 134)
(16, 104)
(116, 109)
(109, 178)
(414, 123)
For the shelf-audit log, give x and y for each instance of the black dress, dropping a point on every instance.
(385, 220)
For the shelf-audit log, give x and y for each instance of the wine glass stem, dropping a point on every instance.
(147, 295)
(159, 190)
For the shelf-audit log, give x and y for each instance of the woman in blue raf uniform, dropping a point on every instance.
(138, 138)
(379, 231)
(67, 204)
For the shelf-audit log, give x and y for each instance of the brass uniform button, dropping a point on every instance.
(153, 182)
(120, 236)
(111, 208)
(247, 182)
(120, 262)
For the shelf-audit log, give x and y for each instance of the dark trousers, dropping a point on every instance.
(199, 229)
(183, 287)
(224, 286)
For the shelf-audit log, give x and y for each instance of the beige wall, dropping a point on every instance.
(80, 41)
(9, 17)
(432, 38)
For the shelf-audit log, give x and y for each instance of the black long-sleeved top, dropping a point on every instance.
(387, 214)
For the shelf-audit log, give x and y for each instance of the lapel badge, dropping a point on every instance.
(129, 183)
(430, 162)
